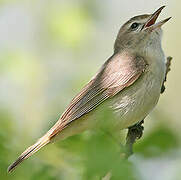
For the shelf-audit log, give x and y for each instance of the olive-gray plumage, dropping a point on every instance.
(129, 82)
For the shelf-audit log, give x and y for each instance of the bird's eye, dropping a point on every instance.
(134, 26)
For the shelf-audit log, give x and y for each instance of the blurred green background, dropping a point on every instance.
(48, 51)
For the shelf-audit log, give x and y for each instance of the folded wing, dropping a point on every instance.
(118, 72)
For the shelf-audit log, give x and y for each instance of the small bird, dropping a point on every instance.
(129, 83)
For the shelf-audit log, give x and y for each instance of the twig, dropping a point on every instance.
(168, 64)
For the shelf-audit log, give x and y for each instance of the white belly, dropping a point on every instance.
(135, 103)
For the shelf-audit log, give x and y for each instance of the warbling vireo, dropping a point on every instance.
(129, 82)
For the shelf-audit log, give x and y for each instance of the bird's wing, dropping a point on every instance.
(118, 72)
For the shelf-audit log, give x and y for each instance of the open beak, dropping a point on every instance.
(151, 25)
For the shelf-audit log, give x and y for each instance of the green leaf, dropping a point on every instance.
(159, 142)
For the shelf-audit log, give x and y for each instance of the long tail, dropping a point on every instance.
(30, 151)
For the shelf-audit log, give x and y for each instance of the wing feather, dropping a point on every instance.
(118, 72)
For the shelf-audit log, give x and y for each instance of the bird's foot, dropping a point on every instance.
(134, 132)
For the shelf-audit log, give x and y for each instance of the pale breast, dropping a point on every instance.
(133, 104)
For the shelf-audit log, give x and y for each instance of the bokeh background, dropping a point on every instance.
(48, 51)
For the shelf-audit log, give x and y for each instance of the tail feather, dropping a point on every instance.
(29, 152)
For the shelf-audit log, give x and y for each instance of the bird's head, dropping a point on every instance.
(140, 31)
